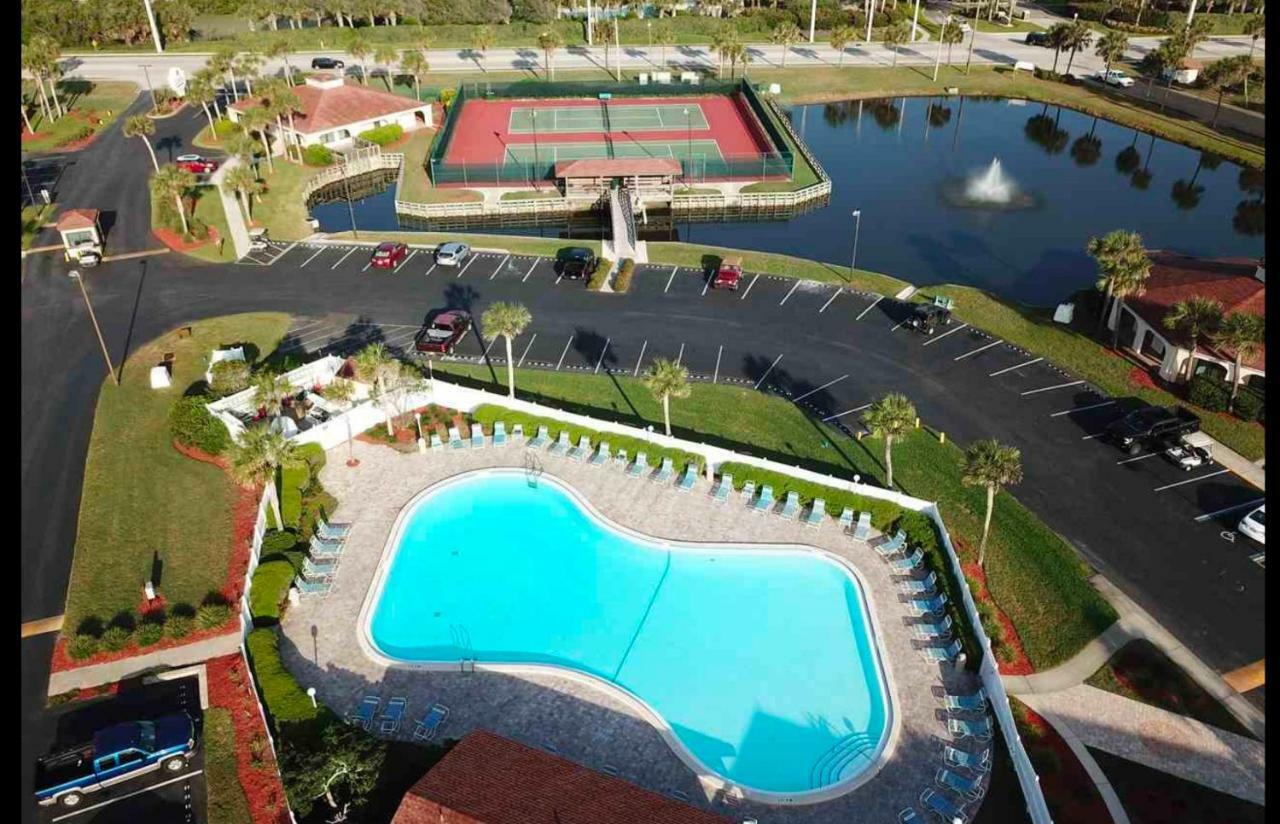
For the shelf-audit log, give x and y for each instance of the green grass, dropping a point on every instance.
(141, 497)
(209, 210)
(983, 25)
(1033, 575)
(33, 220)
(226, 799)
(282, 209)
(416, 186)
(533, 194)
(81, 98)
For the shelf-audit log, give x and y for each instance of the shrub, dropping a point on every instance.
(293, 481)
(384, 135)
(1250, 405)
(271, 582)
(313, 454)
(212, 616)
(82, 646)
(116, 638)
(279, 541)
(882, 512)
(1047, 74)
(222, 128)
(1209, 392)
(447, 96)
(229, 377)
(286, 701)
(600, 275)
(534, 11)
(179, 625)
(150, 633)
(622, 281)
(317, 155)
(191, 425)
(79, 133)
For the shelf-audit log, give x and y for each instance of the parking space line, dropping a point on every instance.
(1209, 515)
(749, 285)
(490, 346)
(1011, 368)
(834, 295)
(944, 334)
(706, 283)
(767, 371)
(408, 258)
(846, 412)
(500, 265)
(674, 269)
(1139, 458)
(1094, 435)
(527, 348)
(639, 359)
(367, 265)
(473, 259)
(976, 351)
(1191, 480)
(184, 777)
(295, 330)
(602, 354)
(869, 308)
(788, 295)
(318, 253)
(286, 251)
(1050, 388)
(716, 376)
(820, 388)
(680, 356)
(560, 362)
(532, 266)
(1081, 409)
(429, 271)
(898, 325)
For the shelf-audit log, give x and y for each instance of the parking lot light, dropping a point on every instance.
(857, 226)
(74, 274)
(311, 693)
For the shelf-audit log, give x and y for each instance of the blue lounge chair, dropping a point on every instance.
(561, 446)
(924, 587)
(939, 654)
(909, 816)
(926, 606)
(970, 788)
(332, 532)
(943, 807)
(455, 438)
(430, 724)
(389, 723)
(748, 491)
(846, 519)
(965, 760)
(477, 436)
(891, 547)
(640, 467)
(932, 631)
(961, 728)
(721, 492)
(323, 568)
(664, 472)
(602, 455)
(908, 562)
(517, 432)
(863, 530)
(362, 716)
(765, 502)
(306, 587)
(816, 512)
(320, 549)
(499, 434)
(621, 458)
(791, 506)
(687, 479)
(581, 450)
(977, 702)
(541, 439)
(436, 443)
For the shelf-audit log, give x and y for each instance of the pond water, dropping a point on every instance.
(906, 165)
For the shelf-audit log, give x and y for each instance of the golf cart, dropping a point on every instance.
(927, 317)
(1190, 450)
(258, 240)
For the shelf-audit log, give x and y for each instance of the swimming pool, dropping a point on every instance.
(759, 666)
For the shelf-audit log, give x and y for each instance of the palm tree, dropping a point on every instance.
(664, 35)
(280, 49)
(200, 90)
(269, 392)
(990, 464)
(358, 47)
(1111, 47)
(285, 101)
(1171, 53)
(786, 35)
(34, 62)
(892, 418)
(386, 55)
(245, 184)
(174, 182)
(1196, 318)
(1078, 36)
(247, 65)
(256, 120)
(1194, 34)
(141, 126)
(549, 40)
(840, 37)
(377, 368)
(414, 64)
(259, 453)
(895, 35)
(1242, 334)
(242, 146)
(1223, 74)
(1057, 37)
(952, 35)
(482, 39)
(41, 57)
(720, 39)
(508, 320)
(1123, 267)
(667, 379)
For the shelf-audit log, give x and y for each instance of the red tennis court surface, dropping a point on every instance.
(482, 133)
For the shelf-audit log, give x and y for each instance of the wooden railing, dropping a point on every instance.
(361, 165)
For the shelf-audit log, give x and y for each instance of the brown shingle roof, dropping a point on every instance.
(77, 219)
(323, 109)
(488, 779)
(618, 167)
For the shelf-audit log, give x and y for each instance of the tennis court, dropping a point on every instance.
(622, 117)
(524, 153)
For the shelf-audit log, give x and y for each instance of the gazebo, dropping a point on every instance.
(646, 176)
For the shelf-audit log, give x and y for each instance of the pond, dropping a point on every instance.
(907, 163)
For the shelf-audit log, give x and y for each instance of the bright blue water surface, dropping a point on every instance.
(762, 664)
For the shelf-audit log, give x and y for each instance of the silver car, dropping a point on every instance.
(1255, 525)
(452, 253)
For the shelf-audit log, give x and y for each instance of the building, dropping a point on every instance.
(488, 779)
(331, 112)
(1239, 284)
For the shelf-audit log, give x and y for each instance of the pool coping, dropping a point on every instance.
(707, 777)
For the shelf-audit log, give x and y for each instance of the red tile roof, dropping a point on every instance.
(324, 109)
(618, 167)
(77, 219)
(1230, 281)
(488, 779)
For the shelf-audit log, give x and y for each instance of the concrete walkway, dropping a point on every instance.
(113, 671)
(235, 218)
(1086, 759)
(1239, 464)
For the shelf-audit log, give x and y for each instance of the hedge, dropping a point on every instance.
(293, 481)
(270, 584)
(286, 701)
(600, 275)
(622, 283)
(1214, 394)
(191, 425)
(317, 155)
(882, 512)
(384, 135)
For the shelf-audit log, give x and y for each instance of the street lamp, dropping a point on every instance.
(422, 444)
(351, 210)
(688, 125)
(648, 25)
(533, 116)
(147, 75)
(311, 693)
(857, 226)
(92, 317)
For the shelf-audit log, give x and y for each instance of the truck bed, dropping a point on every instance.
(68, 765)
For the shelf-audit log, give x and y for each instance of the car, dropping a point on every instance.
(1153, 425)
(729, 275)
(195, 164)
(327, 63)
(388, 255)
(1254, 525)
(575, 263)
(452, 253)
(927, 317)
(258, 240)
(1114, 78)
(1037, 38)
(444, 332)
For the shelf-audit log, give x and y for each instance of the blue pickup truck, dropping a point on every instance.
(117, 753)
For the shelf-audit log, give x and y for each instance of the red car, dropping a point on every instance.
(389, 255)
(443, 333)
(728, 275)
(196, 164)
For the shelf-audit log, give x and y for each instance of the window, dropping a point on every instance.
(327, 137)
(1212, 369)
(130, 757)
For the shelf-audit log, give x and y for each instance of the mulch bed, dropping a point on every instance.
(177, 243)
(1142, 379)
(231, 688)
(1020, 664)
(1070, 793)
(62, 661)
(85, 693)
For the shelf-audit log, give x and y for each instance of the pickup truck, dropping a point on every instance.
(728, 275)
(1151, 426)
(117, 753)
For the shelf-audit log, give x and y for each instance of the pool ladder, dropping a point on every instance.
(532, 469)
(467, 666)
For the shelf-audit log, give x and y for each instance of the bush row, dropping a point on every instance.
(600, 274)
(1214, 394)
(622, 282)
(285, 699)
(384, 135)
(92, 636)
(191, 424)
(317, 155)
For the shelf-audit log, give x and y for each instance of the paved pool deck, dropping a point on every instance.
(581, 721)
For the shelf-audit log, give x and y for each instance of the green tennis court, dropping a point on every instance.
(622, 117)
(555, 152)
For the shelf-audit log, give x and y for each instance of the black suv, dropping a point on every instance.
(1037, 38)
(575, 263)
(1151, 425)
(327, 63)
(927, 317)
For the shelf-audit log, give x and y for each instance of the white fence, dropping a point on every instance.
(358, 166)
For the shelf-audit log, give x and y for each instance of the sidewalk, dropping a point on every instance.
(235, 218)
(1240, 465)
(112, 671)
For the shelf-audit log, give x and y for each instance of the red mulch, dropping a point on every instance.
(147, 605)
(230, 687)
(1020, 665)
(62, 661)
(85, 693)
(176, 242)
(1070, 793)
(1141, 378)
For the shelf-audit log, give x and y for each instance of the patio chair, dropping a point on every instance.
(943, 807)
(640, 467)
(455, 438)
(791, 506)
(664, 472)
(321, 549)
(688, 478)
(924, 587)
(362, 715)
(846, 520)
(979, 730)
(720, 493)
(863, 530)
(499, 434)
(816, 512)
(908, 562)
(517, 432)
(926, 606)
(389, 723)
(477, 436)
(561, 446)
(332, 532)
(323, 568)
(894, 545)
(581, 450)
(933, 631)
(436, 443)
(977, 702)
(909, 816)
(940, 654)
(970, 788)
(319, 587)
(602, 455)
(966, 760)
(765, 502)
(541, 439)
(621, 458)
(430, 724)
(748, 491)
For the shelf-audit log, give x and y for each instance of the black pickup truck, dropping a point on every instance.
(1151, 426)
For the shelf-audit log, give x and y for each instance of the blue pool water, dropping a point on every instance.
(760, 662)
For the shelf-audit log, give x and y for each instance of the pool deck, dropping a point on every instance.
(573, 717)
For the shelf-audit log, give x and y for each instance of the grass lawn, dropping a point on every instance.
(1140, 671)
(281, 208)
(416, 186)
(142, 500)
(209, 210)
(226, 802)
(33, 220)
(84, 101)
(1033, 575)
(1154, 797)
(983, 25)
(532, 194)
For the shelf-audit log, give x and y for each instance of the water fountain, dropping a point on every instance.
(991, 189)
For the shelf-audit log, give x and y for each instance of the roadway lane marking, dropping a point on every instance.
(680, 356)
(706, 284)
(1191, 480)
(532, 266)
(318, 253)
(473, 259)
(639, 359)
(526, 349)
(344, 257)
(820, 388)
(715, 377)
(944, 334)
(1011, 368)
(1230, 509)
(1139, 458)
(184, 777)
(432, 269)
(976, 351)
(408, 258)
(560, 362)
(42, 625)
(749, 285)
(788, 295)
(1050, 388)
(674, 269)
(767, 371)
(869, 308)
(602, 354)
(846, 412)
(500, 265)
(1081, 409)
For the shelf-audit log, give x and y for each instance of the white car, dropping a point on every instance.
(1115, 78)
(452, 253)
(1254, 525)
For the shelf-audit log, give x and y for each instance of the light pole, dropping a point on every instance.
(94, 318)
(915, 21)
(688, 125)
(311, 693)
(813, 18)
(648, 25)
(155, 33)
(857, 226)
(422, 444)
(351, 210)
(150, 88)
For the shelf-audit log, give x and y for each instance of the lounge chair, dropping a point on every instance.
(977, 702)
(602, 455)
(816, 513)
(687, 479)
(561, 446)
(930, 631)
(477, 436)
(319, 587)
(320, 549)
(541, 439)
(455, 438)
(939, 654)
(962, 728)
(765, 502)
(908, 562)
(970, 788)
(891, 547)
(664, 472)
(943, 807)
(362, 716)
(621, 458)
(582, 450)
(926, 606)
(966, 760)
(499, 434)
(436, 443)
(323, 568)
(748, 491)
(430, 724)
(517, 432)
(332, 532)
(863, 530)
(721, 492)
(791, 506)
(924, 587)
(389, 723)
(640, 467)
(909, 816)
(846, 521)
